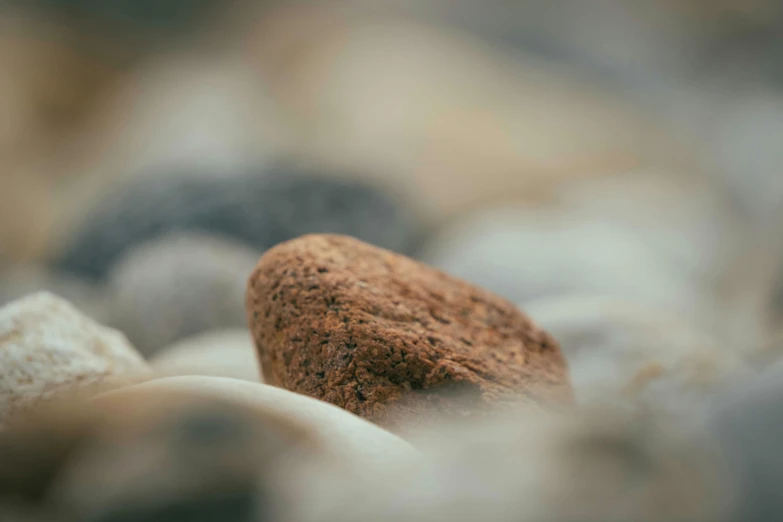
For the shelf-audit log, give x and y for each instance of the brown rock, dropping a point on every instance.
(365, 329)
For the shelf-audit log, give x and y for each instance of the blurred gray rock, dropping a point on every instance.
(178, 286)
(528, 253)
(260, 209)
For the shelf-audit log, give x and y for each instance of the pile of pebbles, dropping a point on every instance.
(479, 287)
(373, 385)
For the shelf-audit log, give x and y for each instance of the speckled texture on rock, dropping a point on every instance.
(179, 286)
(48, 347)
(261, 209)
(365, 329)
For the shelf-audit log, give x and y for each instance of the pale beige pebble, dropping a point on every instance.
(445, 117)
(50, 348)
(526, 252)
(345, 437)
(636, 356)
(226, 353)
(701, 234)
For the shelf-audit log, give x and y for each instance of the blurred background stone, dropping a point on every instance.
(223, 353)
(524, 253)
(439, 113)
(260, 209)
(179, 286)
(637, 357)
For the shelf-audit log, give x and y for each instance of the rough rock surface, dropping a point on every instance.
(389, 338)
(48, 347)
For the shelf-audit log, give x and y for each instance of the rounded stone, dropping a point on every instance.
(50, 348)
(347, 438)
(260, 209)
(179, 286)
(162, 454)
(625, 354)
(698, 235)
(391, 339)
(226, 353)
(526, 253)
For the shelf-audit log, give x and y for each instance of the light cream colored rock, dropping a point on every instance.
(228, 353)
(48, 348)
(623, 353)
(345, 436)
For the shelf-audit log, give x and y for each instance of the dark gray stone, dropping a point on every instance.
(258, 209)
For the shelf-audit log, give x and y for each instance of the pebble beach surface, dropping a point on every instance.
(391, 261)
